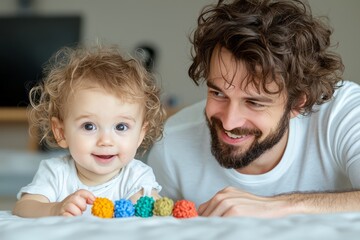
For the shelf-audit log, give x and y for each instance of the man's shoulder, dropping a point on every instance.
(345, 98)
(187, 117)
(346, 89)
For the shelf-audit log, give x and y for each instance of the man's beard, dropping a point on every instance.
(228, 156)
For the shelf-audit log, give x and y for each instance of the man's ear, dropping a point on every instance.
(57, 127)
(299, 105)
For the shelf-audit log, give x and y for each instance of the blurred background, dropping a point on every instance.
(32, 30)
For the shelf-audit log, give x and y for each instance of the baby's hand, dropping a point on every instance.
(74, 204)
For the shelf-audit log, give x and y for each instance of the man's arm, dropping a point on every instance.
(234, 202)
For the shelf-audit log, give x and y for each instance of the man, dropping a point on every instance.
(279, 132)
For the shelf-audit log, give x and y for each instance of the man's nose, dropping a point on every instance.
(234, 116)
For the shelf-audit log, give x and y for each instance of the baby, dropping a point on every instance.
(104, 109)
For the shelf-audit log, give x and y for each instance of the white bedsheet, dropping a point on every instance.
(302, 227)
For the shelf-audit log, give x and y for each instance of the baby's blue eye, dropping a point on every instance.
(121, 127)
(89, 126)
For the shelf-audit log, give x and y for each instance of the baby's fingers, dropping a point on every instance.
(85, 194)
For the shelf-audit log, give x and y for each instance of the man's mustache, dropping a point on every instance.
(236, 131)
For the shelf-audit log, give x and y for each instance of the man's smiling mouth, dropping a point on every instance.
(231, 135)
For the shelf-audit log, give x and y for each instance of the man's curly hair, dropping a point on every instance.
(278, 41)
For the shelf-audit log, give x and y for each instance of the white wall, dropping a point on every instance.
(344, 17)
(166, 24)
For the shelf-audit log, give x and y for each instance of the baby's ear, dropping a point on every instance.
(57, 127)
(143, 132)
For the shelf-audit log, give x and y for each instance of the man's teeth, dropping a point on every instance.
(234, 135)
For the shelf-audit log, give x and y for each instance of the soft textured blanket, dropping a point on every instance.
(327, 227)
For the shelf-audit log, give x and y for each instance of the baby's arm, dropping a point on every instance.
(35, 205)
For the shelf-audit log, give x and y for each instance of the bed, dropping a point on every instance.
(304, 227)
(17, 169)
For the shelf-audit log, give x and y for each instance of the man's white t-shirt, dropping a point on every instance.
(56, 179)
(322, 154)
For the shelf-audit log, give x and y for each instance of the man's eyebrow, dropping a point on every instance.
(260, 99)
(257, 98)
(211, 85)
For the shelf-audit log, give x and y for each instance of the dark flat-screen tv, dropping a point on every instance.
(26, 43)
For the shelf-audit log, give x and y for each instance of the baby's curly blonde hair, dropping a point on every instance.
(73, 68)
